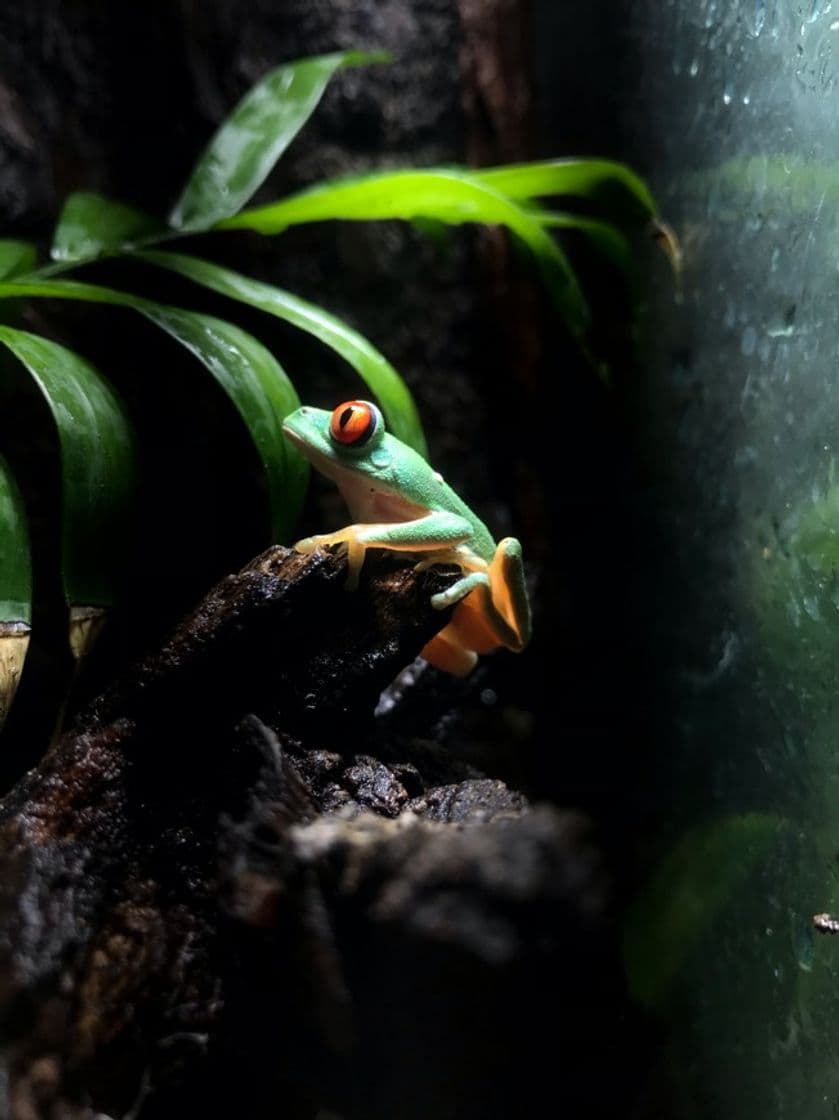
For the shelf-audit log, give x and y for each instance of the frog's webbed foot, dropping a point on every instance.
(348, 536)
(459, 590)
(437, 533)
(474, 571)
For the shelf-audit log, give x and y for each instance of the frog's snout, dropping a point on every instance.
(288, 421)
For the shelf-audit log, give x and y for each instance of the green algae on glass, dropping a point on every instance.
(381, 378)
(248, 373)
(793, 586)
(781, 184)
(675, 909)
(254, 136)
(90, 225)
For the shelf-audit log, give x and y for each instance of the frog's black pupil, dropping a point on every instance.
(345, 417)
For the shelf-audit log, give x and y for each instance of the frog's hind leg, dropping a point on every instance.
(449, 655)
(491, 607)
(509, 592)
(459, 590)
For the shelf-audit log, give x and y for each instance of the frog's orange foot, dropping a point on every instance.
(323, 540)
(459, 590)
(307, 545)
(347, 536)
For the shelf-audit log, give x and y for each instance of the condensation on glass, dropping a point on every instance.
(733, 111)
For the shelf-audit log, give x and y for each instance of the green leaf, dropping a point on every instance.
(250, 375)
(387, 386)
(15, 565)
(258, 386)
(98, 465)
(608, 240)
(453, 197)
(16, 257)
(255, 135)
(91, 225)
(438, 233)
(615, 186)
(15, 589)
(685, 894)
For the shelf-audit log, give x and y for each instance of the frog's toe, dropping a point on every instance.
(458, 590)
(306, 545)
(446, 556)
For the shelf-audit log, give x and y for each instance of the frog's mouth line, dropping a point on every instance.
(367, 498)
(326, 464)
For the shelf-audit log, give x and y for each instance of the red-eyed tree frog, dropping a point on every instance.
(398, 501)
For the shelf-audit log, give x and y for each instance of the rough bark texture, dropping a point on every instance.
(228, 888)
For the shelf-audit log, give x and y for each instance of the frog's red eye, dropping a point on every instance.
(352, 423)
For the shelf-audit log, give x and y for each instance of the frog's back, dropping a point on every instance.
(416, 479)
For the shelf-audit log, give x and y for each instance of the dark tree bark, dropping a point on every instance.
(195, 907)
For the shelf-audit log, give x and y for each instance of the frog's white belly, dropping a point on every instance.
(367, 504)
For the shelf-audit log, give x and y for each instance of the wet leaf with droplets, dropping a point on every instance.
(248, 144)
(91, 225)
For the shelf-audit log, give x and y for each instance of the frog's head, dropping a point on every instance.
(348, 440)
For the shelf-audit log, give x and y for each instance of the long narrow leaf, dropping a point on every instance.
(453, 197)
(15, 589)
(258, 386)
(91, 225)
(15, 565)
(623, 192)
(255, 135)
(387, 386)
(98, 465)
(253, 379)
(16, 257)
(609, 240)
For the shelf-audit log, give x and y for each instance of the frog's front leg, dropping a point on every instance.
(494, 608)
(429, 533)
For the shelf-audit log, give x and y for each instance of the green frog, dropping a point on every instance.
(399, 502)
